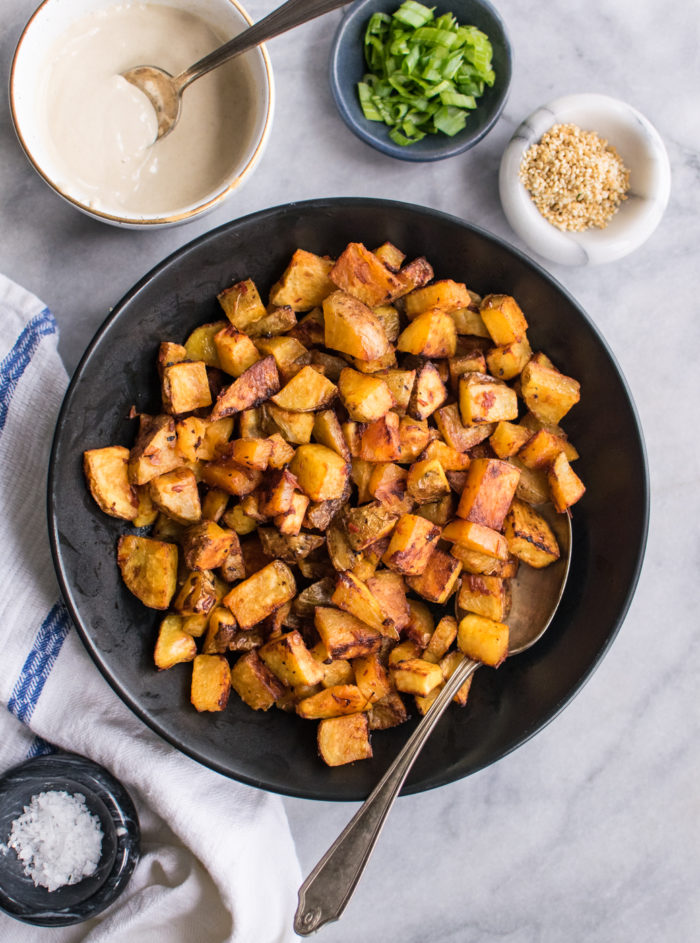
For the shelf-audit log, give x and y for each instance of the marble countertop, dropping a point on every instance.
(591, 830)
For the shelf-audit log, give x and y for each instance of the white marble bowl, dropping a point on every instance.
(642, 152)
(51, 20)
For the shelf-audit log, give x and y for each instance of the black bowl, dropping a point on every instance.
(107, 799)
(274, 750)
(347, 66)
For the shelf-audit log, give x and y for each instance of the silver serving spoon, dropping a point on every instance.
(327, 890)
(165, 91)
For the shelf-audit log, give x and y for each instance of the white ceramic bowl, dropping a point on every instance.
(46, 27)
(642, 152)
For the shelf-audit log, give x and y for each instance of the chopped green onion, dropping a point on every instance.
(425, 72)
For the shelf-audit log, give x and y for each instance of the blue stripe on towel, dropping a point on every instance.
(39, 747)
(39, 663)
(17, 360)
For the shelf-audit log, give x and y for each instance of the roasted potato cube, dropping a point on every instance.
(388, 712)
(254, 683)
(431, 335)
(322, 474)
(455, 433)
(421, 624)
(252, 453)
(199, 440)
(344, 635)
(400, 383)
(310, 330)
(387, 484)
(529, 536)
(414, 436)
(211, 683)
(282, 452)
(547, 392)
(341, 554)
(367, 524)
(344, 740)
(289, 659)
(508, 438)
(307, 391)
(389, 590)
(355, 597)
(427, 481)
(200, 344)
(391, 256)
(253, 386)
(477, 537)
(412, 545)
(185, 387)
(475, 562)
(565, 485)
(471, 362)
(441, 639)
(403, 651)
(508, 361)
(337, 701)
(540, 450)
(197, 596)
(239, 521)
(274, 321)
(107, 476)
(449, 665)
(173, 644)
(438, 581)
(227, 475)
(450, 459)
(304, 283)
(488, 493)
(483, 639)
(503, 318)
(485, 595)
(289, 353)
(221, 631)
(338, 671)
(258, 596)
(235, 350)
(364, 275)
(250, 423)
(438, 512)
(380, 440)
(155, 451)
(390, 320)
(289, 522)
(294, 427)
(468, 321)
(365, 397)
(352, 328)
(414, 275)
(371, 678)
(169, 353)
(428, 392)
(288, 548)
(242, 305)
(444, 295)
(147, 512)
(205, 546)
(176, 494)
(484, 399)
(416, 676)
(328, 431)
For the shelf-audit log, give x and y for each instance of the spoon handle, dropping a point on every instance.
(327, 890)
(290, 14)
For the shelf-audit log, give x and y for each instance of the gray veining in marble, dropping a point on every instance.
(591, 831)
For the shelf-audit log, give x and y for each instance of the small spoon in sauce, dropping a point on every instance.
(165, 91)
(327, 890)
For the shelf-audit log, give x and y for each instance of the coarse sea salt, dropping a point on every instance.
(57, 839)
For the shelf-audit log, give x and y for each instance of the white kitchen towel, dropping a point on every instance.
(218, 862)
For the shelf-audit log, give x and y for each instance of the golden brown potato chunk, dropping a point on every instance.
(185, 387)
(289, 659)
(488, 492)
(486, 596)
(337, 701)
(173, 645)
(258, 596)
(503, 318)
(304, 283)
(565, 485)
(344, 740)
(364, 275)
(322, 474)
(352, 328)
(211, 683)
(429, 392)
(149, 569)
(547, 392)
(205, 546)
(365, 397)
(235, 350)
(254, 683)
(176, 494)
(416, 676)
(412, 544)
(483, 639)
(155, 451)
(444, 295)
(431, 335)
(253, 386)
(483, 399)
(307, 391)
(344, 635)
(529, 536)
(439, 580)
(242, 305)
(107, 475)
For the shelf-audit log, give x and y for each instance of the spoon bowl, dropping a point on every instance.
(536, 596)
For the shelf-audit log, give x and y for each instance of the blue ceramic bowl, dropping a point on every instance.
(348, 65)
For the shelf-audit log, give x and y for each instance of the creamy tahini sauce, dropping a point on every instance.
(100, 130)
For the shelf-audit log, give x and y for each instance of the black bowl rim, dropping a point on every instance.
(444, 147)
(334, 204)
(94, 778)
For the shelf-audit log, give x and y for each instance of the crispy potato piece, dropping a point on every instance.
(488, 493)
(173, 644)
(274, 321)
(400, 383)
(341, 554)
(483, 399)
(508, 438)
(149, 569)
(441, 639)
(364, 275)
(406, 649)
(250, 423)
(185, 387)
(483, 639)
(468, 321)
(439, 580)
(371, 677)
(169, 353)
(200, 344)
(240, 522)
(427, 481)
(431, 335)
(344, 635)
(355, 597)
(290, 522)
(532, 484)
(390, 320)
(304, 283)
(414, 437)
(242, 305)
(392, 257)
(416, 676)
(388, 712)
(254, 683)
(344, 740)
(294, 427)
(471, 362)
(449, 665)
(176, 494)
(421, 624)
(389, 590)
(289, 659)
(428, 392)
(529, 536)
(450, 459)
(541, 449)
(233, 567)
(477, 537)
(438, 512)
(310, 330)
(365, 397)
(322, 474)
(282, 452)
(288, 548)
(227, 475)
(235, 350)
(444, 295)
(221, 631)
(198, 440)
(455, 433)
(211, 683)
(488, 596)
(565, 485)
(508, 361)
(380, 440)
(328, 431)
(387, 484)
(197, 597)
(353, 328)
(337, 701)
(253, 386)
(106, 471)
(252, 453)
(367, 524)
(205, 546)
(548, 393)
(306, 392)
(155, 451)
(412, 545)
(259, 595)
(503, 318)
(289, 353)
(475, 562)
